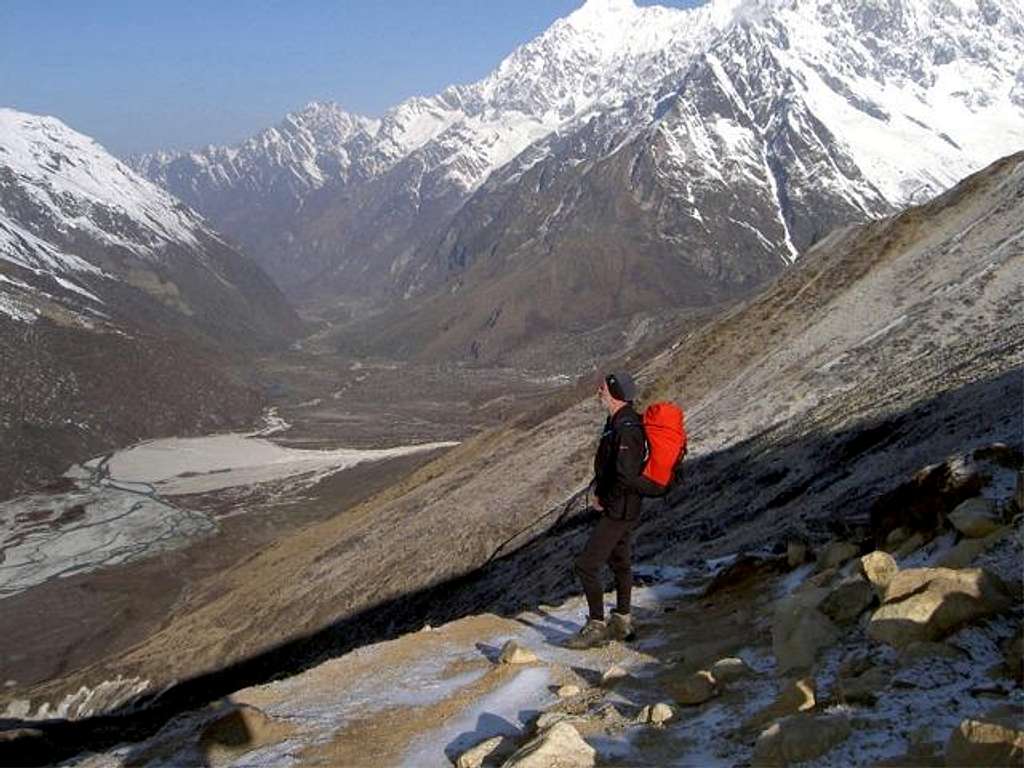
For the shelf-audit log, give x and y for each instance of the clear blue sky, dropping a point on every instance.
(145, 74)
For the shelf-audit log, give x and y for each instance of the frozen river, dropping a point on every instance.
(123, 506)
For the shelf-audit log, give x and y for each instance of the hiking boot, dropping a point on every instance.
(593, 634)
(620, 627)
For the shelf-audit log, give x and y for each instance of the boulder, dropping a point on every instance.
(976, 518)
(493, 751)
(966, 551)
(794, 696)
(239, 729)
(896, 537)
(910, 546)
(800, 737)
(548, 719)
(568, 691)
(924, 649)
(878, 568)
(656, 714)
(800, 630)
(930, 603)
(986, 741)
(661, 713)
(694, 688)
(835, 554)
(855, 663)
(729, 670)
(818, 580)
(559, 746)
(513, 653)
(614, 674)
(848, 600)
(865, 688)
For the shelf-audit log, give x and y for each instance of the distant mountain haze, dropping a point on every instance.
(628, 160)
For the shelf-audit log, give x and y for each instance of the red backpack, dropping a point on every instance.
(665, 429)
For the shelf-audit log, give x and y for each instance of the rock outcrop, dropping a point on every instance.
(929, 603)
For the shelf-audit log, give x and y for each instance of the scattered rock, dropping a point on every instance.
(494, 751)
(976, 518)
(818, 580)
(695, 688)
(513, 653)
(835, 554)
(742, 570)
(864, 688)
(929, 603)
(559, 746)
(18, 709)
(240, 729)
(800, 630)
(800, 737)
(794, 696)
(848, 600)
(967, 550)
(986, 741)
(896, 537)
(729, 670)
(548, 719)
(878, 568)
(613, 675)
(568, 691)
(796, 553)
(910, 546)
(661, 713)
(856, 663)
(1001, 454)
(925, 650)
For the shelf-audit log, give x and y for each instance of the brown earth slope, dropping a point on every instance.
(887, 347)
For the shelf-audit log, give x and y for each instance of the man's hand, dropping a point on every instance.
(598, 505)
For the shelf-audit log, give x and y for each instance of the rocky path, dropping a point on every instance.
(839, 656)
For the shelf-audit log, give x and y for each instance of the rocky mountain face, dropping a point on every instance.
(861, 392)
(627, 160)
(119, 307)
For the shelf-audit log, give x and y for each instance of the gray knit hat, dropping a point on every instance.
(621, 386)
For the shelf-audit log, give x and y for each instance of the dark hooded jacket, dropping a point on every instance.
(619, 463)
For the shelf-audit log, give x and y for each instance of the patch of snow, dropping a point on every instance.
(506, 711)
(177, 466)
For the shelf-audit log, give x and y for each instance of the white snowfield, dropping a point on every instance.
(177, 466)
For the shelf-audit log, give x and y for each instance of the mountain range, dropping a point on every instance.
(629, 160)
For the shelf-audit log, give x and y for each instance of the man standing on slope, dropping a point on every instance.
(617, 468)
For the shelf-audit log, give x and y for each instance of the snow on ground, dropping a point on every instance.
(176, 466)
(120, 512)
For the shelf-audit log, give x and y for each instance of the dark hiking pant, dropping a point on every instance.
(611, 542)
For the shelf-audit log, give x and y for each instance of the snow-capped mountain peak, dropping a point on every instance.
(75, 185)
(777, 118)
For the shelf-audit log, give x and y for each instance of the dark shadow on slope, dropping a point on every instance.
(725, 500)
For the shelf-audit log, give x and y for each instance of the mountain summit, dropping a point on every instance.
(640, 157)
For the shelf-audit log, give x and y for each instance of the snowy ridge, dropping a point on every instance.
(827, 112)
(80, 186)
